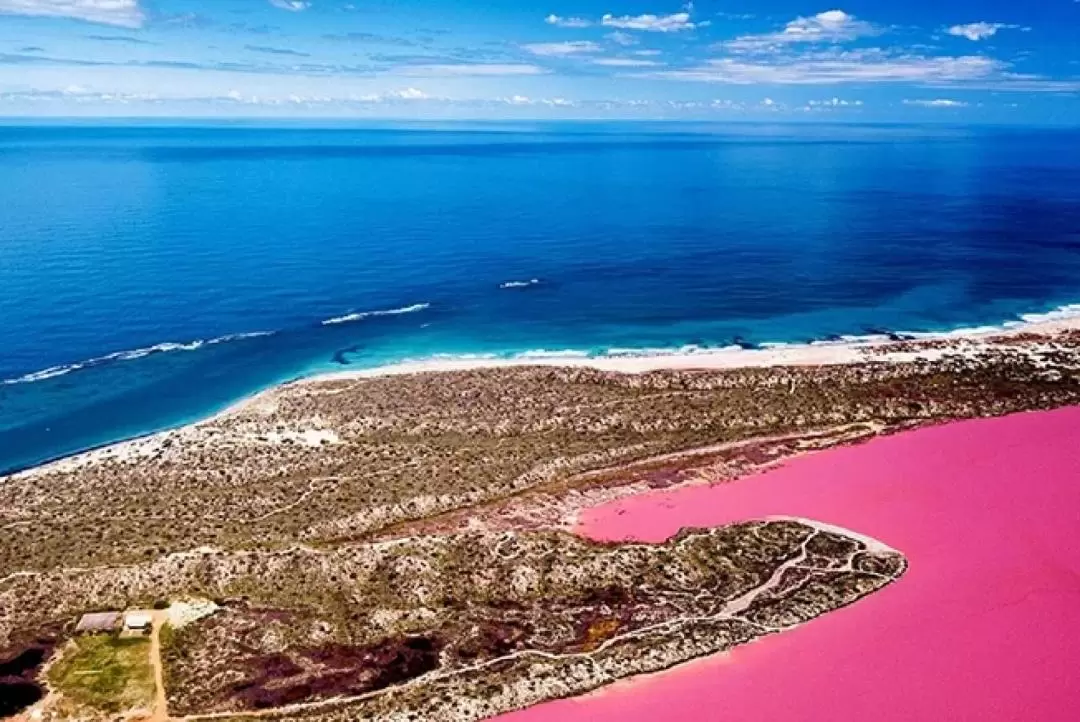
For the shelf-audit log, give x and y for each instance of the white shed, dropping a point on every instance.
(138, 622)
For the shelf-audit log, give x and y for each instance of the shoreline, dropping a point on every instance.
(630, 359)
(851, 350)
(815, 353)
(848, 351)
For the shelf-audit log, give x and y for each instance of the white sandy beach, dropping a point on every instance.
(824, 353)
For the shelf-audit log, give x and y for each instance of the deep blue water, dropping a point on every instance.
(119, 239)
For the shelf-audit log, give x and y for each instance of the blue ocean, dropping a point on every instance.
(151, 275)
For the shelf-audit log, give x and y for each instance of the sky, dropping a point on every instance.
(957, 61)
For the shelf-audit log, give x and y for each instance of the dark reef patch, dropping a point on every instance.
(341, 356)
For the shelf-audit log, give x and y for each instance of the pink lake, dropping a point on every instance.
(985, 625)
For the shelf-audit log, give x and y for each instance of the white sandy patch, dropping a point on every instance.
(122, 453)
(188, 611)
(873, 545)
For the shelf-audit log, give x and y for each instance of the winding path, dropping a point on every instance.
(160, 710)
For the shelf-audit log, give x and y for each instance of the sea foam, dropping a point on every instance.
(360, 316)
(131, 355)
(520, 284)
(546, 354)
(687, 350)
(1061, 313)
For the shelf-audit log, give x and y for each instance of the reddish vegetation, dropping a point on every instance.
(19, 668)
(599, 631)
(493, 640)
(321, 672)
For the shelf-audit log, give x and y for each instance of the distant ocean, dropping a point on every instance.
(150, 276)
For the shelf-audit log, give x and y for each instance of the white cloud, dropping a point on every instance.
(469, 69)
(937, 103)
(313, 99)
(650, 23)
(869, 66)
(125, 13)
(550, 102)
(626, 63)
(410, 94)
(1014, 82)
(293, 6)
(620, 38)
(726, 104)
(574, 47)
(78, 94)
(977, 31)
(258, 96)
(834, 103)
(829, 25)
(562, 22)
(238, 97)
(832, 26)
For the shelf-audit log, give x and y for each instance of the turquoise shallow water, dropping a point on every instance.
(152, 275)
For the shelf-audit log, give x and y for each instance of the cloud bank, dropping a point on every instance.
(832, 26)
(122, 13)
(864, 66)
(673, 23)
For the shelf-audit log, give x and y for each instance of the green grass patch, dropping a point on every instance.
(106, 673)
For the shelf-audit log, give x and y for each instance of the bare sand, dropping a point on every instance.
(982, 627)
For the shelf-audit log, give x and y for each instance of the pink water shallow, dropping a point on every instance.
(985, 625)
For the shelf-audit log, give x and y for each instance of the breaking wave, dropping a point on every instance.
(1061, 313)
(360, 316)
(172, 347)
(687, 350)
(520, 284)
(168, 347)
(575, 356)
(544, 353)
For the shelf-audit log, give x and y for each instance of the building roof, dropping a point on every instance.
(138, 620)
(98, 622)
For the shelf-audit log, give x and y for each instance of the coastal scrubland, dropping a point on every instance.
(454, 627)
(344, 459)
(397, 548)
